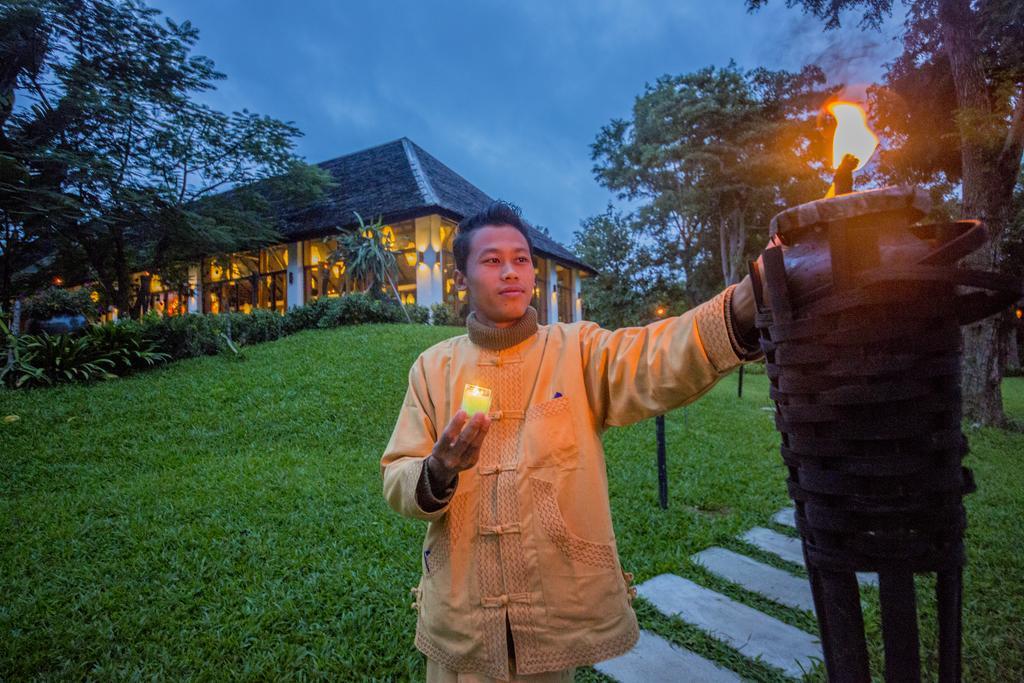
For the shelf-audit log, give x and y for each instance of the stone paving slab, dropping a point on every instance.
(655, 660)
(790, 549)
(785, 517)
(775, 584)
(752, 633)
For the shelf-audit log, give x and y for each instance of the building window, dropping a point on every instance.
(541, 296)
(403, 245)
(324, 278)
(163, 300)
(457, 301)
(565, 298)
(246, 280)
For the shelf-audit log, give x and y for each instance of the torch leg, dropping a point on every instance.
(949, 594)
(899, 626)
(818, 594)
(837, 604)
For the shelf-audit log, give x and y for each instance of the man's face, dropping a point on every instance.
(499, 274)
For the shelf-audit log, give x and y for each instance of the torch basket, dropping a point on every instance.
(859, 312)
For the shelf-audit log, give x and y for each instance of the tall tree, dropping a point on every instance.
(959, 110)
(621, 293)
(712, 153)
(103, 111)
(29, 192)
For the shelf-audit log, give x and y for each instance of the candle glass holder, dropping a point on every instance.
(476, 399)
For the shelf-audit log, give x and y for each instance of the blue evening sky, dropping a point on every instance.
(508, 94)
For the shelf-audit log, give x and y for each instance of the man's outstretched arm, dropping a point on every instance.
(635, 373)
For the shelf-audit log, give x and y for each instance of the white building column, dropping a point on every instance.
(552, 293)
(295, 288)
(195, 284)
(577, 296)
(429, 277)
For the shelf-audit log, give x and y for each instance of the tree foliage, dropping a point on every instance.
(708, 155)
(621, 294)
(108, 155)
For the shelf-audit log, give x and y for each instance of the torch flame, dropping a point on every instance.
(852, 134)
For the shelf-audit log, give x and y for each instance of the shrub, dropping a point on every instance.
(359, 309)
(305, 317)
(126, 346)
(54, 301)
(181, 336)
(444, 315)
(419, 314)
(262, 325)
(51, 359)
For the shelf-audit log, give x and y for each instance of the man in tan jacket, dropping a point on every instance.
(521, 578)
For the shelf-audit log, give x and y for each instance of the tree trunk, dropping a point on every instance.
(732, 237)
(988, 177)
(123, 278)
(1011, 346)
(142, 296)
(6, 290)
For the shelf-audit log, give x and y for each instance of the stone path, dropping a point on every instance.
(785, 517)
(790, 549)
(655, 660)
(757, 577)
(750, 632)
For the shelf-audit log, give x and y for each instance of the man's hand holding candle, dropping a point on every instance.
(458, 448)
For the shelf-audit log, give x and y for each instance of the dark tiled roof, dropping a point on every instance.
(398, 181)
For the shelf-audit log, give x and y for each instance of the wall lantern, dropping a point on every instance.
(412, 257)
(387, 235)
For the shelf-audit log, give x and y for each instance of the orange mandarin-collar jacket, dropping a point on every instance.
(528, 534)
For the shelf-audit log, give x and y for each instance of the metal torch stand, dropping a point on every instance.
(866, 382)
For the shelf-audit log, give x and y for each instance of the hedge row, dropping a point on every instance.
(43, 359)
(188, 336)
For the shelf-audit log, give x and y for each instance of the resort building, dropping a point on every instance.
(419, 201)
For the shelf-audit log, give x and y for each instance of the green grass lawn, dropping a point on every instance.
(224, 519)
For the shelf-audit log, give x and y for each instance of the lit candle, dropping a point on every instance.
(476, 399)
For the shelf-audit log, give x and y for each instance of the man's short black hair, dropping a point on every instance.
(496, 213)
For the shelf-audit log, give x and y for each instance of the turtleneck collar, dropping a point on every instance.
(498, 338)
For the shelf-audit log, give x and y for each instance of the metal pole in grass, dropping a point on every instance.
(659, 422)
(739, 391)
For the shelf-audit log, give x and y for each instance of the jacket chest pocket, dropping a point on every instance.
(549, 438)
